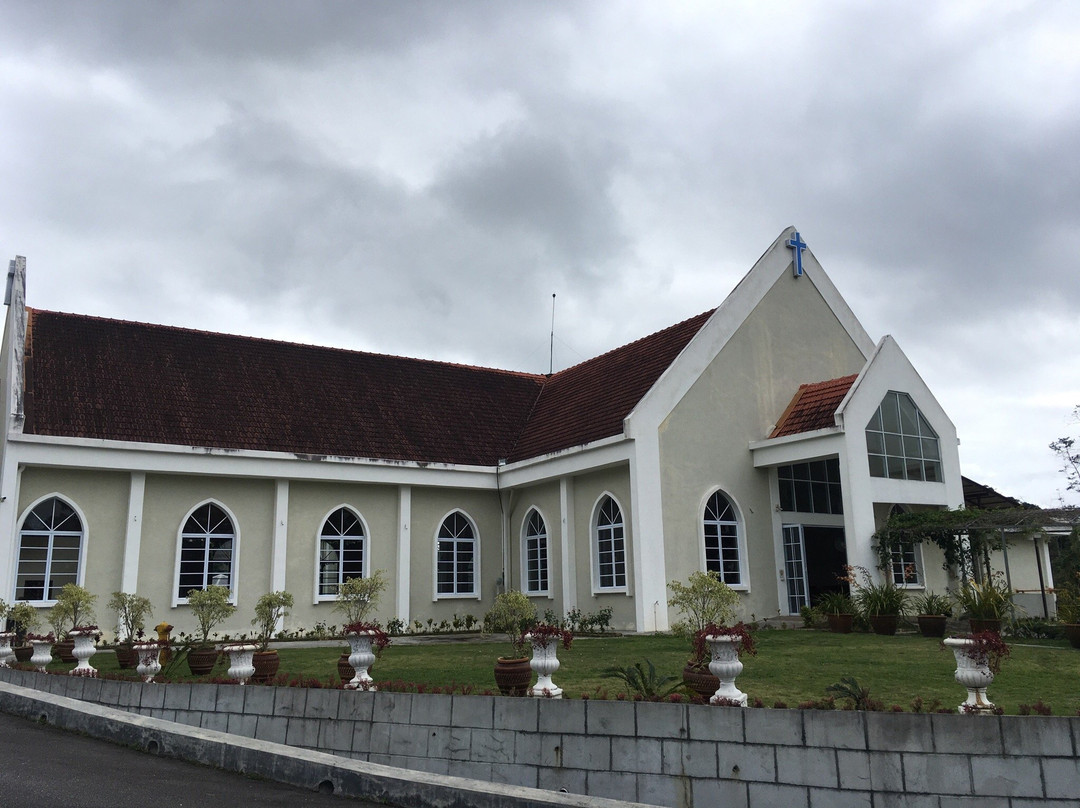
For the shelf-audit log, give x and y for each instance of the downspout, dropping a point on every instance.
(504, 578)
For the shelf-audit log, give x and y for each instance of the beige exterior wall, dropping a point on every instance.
(101, 499)
(429, 507)
(588, 489)
(169, 500)
(545, 498)
(792, 337)
(309, 506)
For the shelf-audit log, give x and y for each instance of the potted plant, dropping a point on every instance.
(978, 659)
(544, 638)
(512, 614)
(881, 603)
(7, 655)
(725, 645)
(985, 604)
(84, 637)
(211, 607)
(131, 613)
(357, 597)
(1068, 612)
(366, 642)
(839, 610)
(24, 620)
(702, 601)
(270, 610)
(74, 607)
(42, 644)
(932, 612)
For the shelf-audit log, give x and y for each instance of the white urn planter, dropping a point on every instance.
(241, 666)
(361, 657)
(7, 656)
(973, 672)
(726, 667)
(83, 650)
(544, 663)
(42, 654)
(149, 665)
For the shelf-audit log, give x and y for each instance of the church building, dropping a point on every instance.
(765, 439)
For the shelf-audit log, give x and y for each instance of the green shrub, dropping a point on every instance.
(512, 614)
(931, 604)
(131, 613)
(211, 607)
(704, 599)
(357, 597)
(269, 609)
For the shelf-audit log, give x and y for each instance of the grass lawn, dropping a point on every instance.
(792, 666)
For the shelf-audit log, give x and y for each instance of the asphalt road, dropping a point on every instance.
(48, 767)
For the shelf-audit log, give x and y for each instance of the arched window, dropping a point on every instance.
(207, 549)
(342, 550)
(456, 561)
(722, 554)
(50, 550)
(900, 443)
(609, 538)
(534, 550)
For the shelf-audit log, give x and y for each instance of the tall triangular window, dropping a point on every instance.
(900, 443)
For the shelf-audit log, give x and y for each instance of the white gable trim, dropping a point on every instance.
(688, 366)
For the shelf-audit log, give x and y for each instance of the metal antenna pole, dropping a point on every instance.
(551, 348)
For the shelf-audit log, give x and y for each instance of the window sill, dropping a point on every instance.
(456, 596)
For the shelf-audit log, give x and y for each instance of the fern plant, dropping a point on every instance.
(642, 681)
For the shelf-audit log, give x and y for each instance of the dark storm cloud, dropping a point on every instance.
(419, 178)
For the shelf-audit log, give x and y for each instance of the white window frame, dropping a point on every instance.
(546, 537)
(475, 593)
(897, 561)
(81, 566)
(594, 554)
(320, 537)
(740, 536)
(234, 563)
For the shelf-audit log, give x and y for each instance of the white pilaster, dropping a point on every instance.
(647, 535)
(280, 538)
(129, 577)
(404, 551)
(567, 544)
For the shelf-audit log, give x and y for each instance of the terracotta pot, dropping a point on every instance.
(840, 623)
(1072, 634)
(23, 653)
(884, 624)
(201, 661)
(512, 676)
(62, 650)
(932, 625)
(985, 624)
(344, 669)
(266, 666)
(700, 680)
(126, 656)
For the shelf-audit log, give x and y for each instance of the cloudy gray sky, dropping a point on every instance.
(418, 178)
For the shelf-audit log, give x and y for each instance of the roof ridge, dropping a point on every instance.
(628, 345)
(305, 345)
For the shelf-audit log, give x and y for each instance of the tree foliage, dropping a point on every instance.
(1069, 455)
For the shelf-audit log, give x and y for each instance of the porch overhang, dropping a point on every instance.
(798, 448)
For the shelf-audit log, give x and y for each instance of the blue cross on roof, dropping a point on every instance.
(797, 245)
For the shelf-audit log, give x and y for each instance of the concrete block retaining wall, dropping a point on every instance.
(661, 754)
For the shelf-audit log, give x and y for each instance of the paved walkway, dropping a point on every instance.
(46, 766)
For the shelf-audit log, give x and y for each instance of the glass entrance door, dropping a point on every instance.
(795, 568)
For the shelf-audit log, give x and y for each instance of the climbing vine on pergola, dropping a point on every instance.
(967, 535)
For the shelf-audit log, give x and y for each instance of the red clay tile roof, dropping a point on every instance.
(89, 377)
(95, 378)
(590, 401)
(813, 407)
